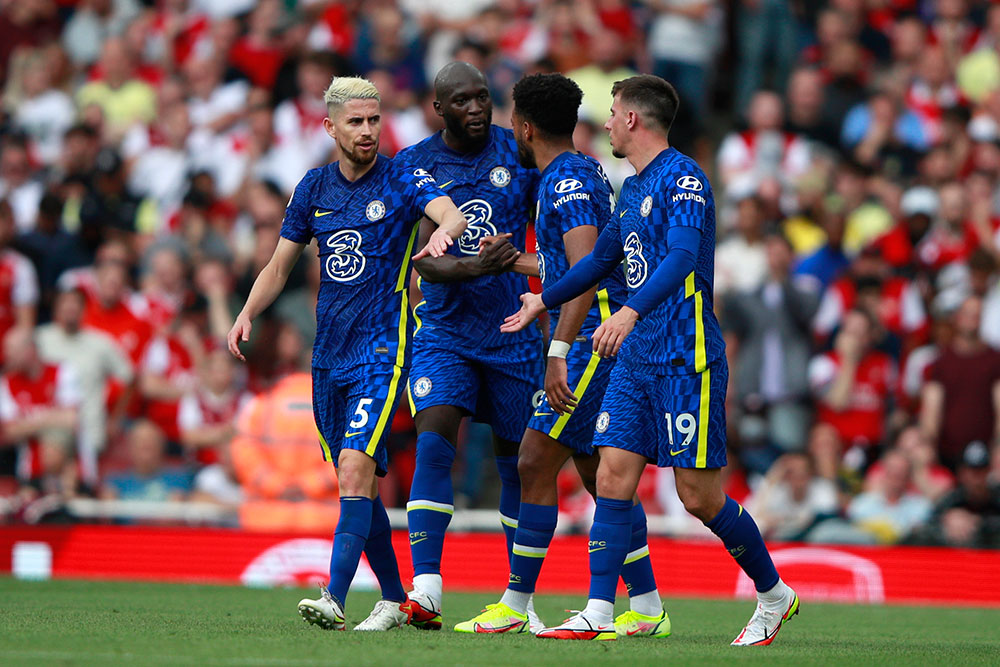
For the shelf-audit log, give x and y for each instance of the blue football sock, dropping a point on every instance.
(535, 527)
(432, 502)
(348, 544)
(510, 498)
(609, 542)
(637, 570)
(737, 530)
(380, 554)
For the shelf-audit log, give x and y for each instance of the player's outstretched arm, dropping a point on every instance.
(669, 276)
(579, 242)
(451, 224)
(491, 260)
(589, 271)
(266, 288)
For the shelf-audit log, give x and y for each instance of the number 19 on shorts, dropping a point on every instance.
(686, 426)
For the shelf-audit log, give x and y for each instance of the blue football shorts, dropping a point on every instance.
(354, 408)
(495, 386)
(587, 375)
(672, 420)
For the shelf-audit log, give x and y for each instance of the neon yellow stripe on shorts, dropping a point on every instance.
(397, 369)
(578, 391)
(327, 454)
(701, 460)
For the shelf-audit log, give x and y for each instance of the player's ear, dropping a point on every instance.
(329, 127)
(631, 120)
(437, 108)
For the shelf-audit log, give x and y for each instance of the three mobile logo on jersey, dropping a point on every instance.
(479, 216)
(635, 263)
(346, 261)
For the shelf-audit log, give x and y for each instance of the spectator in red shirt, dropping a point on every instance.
(18, 280)
(961, 399)
(206, 417)
(38, 401)
(113, 310)
(852, 384)
(952, 238)
(259, 54)
(919, 207)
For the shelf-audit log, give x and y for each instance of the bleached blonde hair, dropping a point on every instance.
(344, 88)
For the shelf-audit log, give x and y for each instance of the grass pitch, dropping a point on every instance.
(76, 622)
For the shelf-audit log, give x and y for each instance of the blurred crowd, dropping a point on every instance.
(148, 147)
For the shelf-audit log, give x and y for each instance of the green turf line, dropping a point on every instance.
(75, 622)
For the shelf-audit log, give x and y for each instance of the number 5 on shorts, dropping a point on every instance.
(361, 414)
(686, 425)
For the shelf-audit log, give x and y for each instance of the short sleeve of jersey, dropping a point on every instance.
(684, 195)
(417, 185)
(573, 204)
(296, 226)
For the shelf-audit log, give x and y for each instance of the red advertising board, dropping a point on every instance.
(477, 562)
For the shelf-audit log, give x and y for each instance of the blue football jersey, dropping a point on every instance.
(496, 194)
(575, 191)
(681, 335)
(366, 231)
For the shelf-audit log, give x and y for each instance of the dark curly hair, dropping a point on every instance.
(549, 102)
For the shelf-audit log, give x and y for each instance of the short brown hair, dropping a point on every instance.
(654, 97)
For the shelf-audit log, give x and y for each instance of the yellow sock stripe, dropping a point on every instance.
(689, 286)
(430, 505)
(602, 304)
(529, 552)
(638, 554)
(327, 455)
(578, 391)
(701, 460)
(507, 521)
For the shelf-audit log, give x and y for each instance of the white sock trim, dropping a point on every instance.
(647, 604)
(599, 612)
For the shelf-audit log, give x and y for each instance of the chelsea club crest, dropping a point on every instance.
(646, 206)
(375, 210)
(500, 177)
(422, 387)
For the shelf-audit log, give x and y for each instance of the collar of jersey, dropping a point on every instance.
(665, 156)
(558, 160)
(339, 175)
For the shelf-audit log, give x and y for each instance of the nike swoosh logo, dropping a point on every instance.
(351, 435)
(631, 632)
(679, 451)
(590, 551)
(320, 215)
(444, 185)
(412, 542)
(543, 414)
(622, 214)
